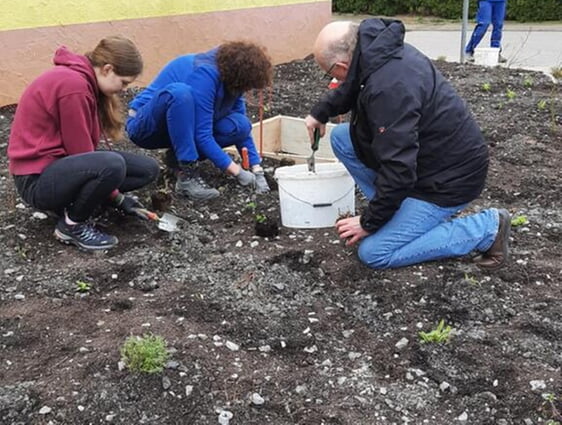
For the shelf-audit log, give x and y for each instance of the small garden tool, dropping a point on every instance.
(310, 161)
(167, 222)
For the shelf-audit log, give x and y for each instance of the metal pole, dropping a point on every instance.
(464, 25)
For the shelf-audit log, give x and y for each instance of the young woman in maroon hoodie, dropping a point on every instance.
(61, 117)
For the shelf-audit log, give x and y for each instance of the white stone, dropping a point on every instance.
(45, 410)
(224, 417)
(463, 417)
(188, 390)
(232, 346)
(39, 215)
(19, 297)
(444, 386)
(401, 344)
(239, 244)
(537, 384)
(257, 399)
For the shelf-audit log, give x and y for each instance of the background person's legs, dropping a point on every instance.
(483, 20)
(497, 18)
(140, 170)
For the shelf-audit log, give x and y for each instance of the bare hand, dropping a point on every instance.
(312, 123)
(350, 229)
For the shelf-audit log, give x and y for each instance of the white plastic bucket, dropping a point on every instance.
(487, 56)
(313, 200)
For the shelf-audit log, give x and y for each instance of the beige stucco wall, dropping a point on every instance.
(287, 30)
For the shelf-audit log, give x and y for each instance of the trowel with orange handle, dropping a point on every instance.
(167, 222)
(311, 161)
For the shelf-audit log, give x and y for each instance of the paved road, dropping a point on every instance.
(529, 49)
(536, 46)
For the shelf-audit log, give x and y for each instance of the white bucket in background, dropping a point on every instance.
(488, 56)
(312, 200)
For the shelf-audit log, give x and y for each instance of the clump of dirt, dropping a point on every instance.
(294, 320)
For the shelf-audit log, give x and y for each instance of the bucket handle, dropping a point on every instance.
(322, 204)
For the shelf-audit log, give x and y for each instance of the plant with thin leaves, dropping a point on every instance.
(528, 82)
(261, 218)
(550, 403)
(471, 279)
(541, 104)
(556, 72)
(486, 87)
(519, 220)
(83, 287)
(510, 94)
(438, 335)
(146, 354)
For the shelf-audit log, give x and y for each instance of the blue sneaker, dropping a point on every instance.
(84, 235)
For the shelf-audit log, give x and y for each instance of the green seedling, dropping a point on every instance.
(541, 104)
(251, 205)
(83, 287)
(550, 404)
(528, 82)
(486, 86)
(519, 220)
(471, 279)
(442, 58)
(147, 354)
(261, 218)
(510, 94)
(556, 72)
(439, 335)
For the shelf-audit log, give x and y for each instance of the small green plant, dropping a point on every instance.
(556, 72)
(549, 404)
(83, 287)
(251, 206)
(541, 104)
(261, 218)
(438, 335)
(442, 58)
(519, 220)
(510, 94)
(471, 279)
(528, 82)
(486, 86)
(147, 354)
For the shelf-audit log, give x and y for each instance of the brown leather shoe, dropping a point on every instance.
(498, 254)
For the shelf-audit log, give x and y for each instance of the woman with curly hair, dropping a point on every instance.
(195, 107)
(59, 121)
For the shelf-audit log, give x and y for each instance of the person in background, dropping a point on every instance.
(489, 12)
(412, 147)
(60, 118)
(195, 107)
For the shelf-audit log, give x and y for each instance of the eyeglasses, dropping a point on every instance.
(328, 74)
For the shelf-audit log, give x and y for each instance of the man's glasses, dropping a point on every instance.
(328, 74)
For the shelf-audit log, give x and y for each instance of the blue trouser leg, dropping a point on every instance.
(167, 120)
(483, 20)
(236, 129)
(498, 16)
(419, 231)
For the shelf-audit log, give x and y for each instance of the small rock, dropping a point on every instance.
(121, 365)
(537, 384)
(353, 355)
(214, 217)
(39, 215)
(400, 345)
(232, 346)
(45, 410)
(166, 383)
(444, 386)
(239, 244)
(224, 417)
(265, 348)
(257, 399)
(172, 364)
(383, 390)
(253, 244)
(109, 418)
(528, 421)
(188, 390)
(463, 417)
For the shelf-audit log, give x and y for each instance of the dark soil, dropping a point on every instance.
(316, 331)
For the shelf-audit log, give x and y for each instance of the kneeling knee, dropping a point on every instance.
(373, 258)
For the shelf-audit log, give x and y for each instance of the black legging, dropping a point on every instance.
(79, 183)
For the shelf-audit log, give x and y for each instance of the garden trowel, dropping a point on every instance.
(167, 222)
(311, 161)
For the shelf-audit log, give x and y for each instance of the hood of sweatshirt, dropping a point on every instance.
(78, 63)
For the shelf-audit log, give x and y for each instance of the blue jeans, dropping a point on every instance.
(168, 120)
(489, 12)
(419, 230)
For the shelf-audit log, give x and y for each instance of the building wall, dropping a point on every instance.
(31, 30)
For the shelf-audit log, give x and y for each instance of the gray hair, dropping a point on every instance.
(342, 49)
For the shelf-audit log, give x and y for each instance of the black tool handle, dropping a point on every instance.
(316, 139)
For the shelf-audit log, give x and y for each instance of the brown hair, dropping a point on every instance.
(126, 60)
(244, 66)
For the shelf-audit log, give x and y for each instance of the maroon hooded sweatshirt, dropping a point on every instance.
(57, 115)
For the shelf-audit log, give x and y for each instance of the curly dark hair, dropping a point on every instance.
(244, 66)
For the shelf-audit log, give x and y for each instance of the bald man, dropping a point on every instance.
(412, 147)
